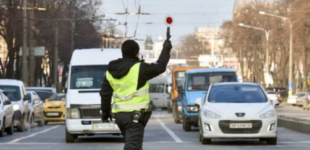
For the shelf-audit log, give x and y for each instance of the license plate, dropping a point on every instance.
(240, 125)
(103, 126)
(52, 114)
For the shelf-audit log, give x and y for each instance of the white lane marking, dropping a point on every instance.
(32, 135)
(170, 132)
(295, 142)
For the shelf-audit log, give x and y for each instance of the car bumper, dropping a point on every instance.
(75, 126)
(59, 117)
(291, 101)
(263, 130)
(191, 119)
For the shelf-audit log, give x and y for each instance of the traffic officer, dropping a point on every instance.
(126, 80)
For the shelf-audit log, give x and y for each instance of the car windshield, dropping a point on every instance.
(44, 95)
(13, 92)
(237, 94)
(202, 81)
(87, 77)
(271, 93)
(58, 97)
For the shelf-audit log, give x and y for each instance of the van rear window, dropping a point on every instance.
(87, 77)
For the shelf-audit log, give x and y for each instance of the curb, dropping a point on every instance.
(299, 125)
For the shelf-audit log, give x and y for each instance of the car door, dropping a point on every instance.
(9, 112)
(25, 103)
(38, 106)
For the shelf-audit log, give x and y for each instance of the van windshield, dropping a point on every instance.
(179, 78)
(87, 77)
(202, 81)
(13, 92)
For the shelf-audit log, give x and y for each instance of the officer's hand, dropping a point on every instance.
(167, 45)
(106, 117)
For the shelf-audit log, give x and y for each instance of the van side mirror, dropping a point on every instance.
(180, 90)
(169, 89)
(26, 97)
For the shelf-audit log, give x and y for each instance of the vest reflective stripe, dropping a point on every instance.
(126, 97)
(129, 97)
(134, 106)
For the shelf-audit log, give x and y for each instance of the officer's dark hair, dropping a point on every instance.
(130, 48)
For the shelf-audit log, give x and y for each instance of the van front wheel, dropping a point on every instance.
(70, 138)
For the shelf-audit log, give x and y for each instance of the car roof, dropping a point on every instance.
(13, 82)
(95, 56)
(203, 70)
(235, 83)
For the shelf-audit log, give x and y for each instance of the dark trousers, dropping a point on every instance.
(132, 132)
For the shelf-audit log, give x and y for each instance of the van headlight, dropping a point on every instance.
(268, 114)
(192, 108)
(74, 113)
(210, 114)
(16, 107)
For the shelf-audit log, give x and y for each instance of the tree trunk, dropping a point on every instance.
(305, 70)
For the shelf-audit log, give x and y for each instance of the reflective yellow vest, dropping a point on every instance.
(126, 96)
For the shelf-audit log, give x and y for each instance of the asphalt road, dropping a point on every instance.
(161, 134)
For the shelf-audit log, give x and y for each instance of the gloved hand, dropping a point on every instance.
(167, 45)
(106, 117)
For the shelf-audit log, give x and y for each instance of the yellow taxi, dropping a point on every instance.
(54, 108)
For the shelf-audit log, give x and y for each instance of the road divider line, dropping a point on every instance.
(170, 132)
(32, 135)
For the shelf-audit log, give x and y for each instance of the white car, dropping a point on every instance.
(6, 115)
(36, 109)
(16, 93)
(237, 110)
(273, 96)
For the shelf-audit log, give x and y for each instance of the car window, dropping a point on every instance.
(237, 94)
(30, 98)
(44, 95)
(157, 88)
(13, 92)
(57, 97)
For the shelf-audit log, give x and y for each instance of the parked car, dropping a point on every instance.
(16, 93)
(36, 109)
(298, 99)
(55, 108)
(237, 110)
(274, 97)
(43, 92)
(6, 115)
(281, 91)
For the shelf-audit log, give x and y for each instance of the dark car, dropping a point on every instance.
(282, 92)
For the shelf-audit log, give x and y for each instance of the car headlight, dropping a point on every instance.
(268, 114)
(16, 107)
(192, 108)
(210, 114)
(75, 113)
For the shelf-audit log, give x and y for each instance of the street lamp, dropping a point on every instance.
(267, 33)
(290, 76)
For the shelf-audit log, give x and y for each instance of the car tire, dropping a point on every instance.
(186, 125)
(272, 141)
(41, 122)
(70, 138)
(204, 140)
(10, 130)
(31, 121)
(45, 122)
(22, 126)
(2, 128)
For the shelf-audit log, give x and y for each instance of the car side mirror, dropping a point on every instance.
(63, 99)
(7, 103)
(198, 102)
(180, 90)
(65, 90)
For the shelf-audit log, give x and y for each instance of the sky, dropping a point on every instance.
(186, 14)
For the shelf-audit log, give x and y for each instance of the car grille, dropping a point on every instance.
(256, 126)
(54, 107)
(47, 116)
(90, 113)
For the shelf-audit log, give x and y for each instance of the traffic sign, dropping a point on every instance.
(169, 20)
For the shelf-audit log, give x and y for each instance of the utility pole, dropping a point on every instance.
(72, 35)
(31, 50)
(24, 56)
(55, 65)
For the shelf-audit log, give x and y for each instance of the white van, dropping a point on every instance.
(159, 91)
(83, 102)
